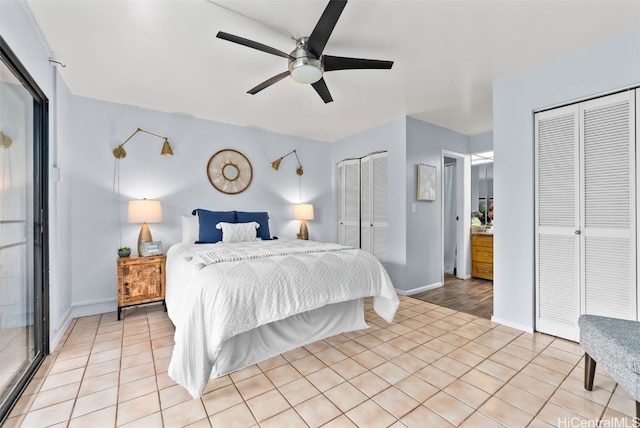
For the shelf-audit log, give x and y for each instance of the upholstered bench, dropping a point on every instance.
(615, 344)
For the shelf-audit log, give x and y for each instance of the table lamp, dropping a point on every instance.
(144, 211)
(303, 212)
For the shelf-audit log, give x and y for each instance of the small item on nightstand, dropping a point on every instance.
(124, 252)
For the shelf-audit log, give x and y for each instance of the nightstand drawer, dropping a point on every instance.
(482, 254)
(482, 270)
(482, 240)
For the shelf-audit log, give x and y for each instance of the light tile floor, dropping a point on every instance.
(432, 367)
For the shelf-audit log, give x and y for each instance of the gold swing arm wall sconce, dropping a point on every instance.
(5, 140)
(120, 153)
(276, 163)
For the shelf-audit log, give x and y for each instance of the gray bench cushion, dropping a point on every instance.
(615, 345)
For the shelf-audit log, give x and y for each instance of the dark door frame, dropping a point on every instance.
(40, 223)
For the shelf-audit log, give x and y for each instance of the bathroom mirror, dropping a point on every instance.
(482, 189)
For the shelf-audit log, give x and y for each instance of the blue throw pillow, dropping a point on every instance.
(208, 220)
(262, 218)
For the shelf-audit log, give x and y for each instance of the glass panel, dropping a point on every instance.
(17, 343)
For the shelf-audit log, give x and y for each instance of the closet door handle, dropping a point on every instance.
(578, 232)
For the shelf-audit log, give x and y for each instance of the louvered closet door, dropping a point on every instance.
(586, 213)
(366, 215)
(608, 206)
(373, 205)
(349, 202)
(557, 202)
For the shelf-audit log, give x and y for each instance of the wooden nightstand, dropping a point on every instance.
(140, 280)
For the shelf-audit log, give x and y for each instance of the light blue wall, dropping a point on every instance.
(180, 182)
(481, 143)
(390, 136)
(603, 68)
(415, 238)
(425, 143)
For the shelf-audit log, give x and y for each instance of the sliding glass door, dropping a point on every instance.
(23, 232)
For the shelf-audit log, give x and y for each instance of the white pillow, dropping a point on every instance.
(238, 232)
(190, 229)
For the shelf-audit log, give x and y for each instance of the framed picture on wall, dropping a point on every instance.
(426, 183)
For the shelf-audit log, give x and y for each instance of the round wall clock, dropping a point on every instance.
(229, 171)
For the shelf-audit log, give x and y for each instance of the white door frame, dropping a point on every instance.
(463, 212)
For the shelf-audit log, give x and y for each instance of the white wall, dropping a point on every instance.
(425, 143)
(180, 182)
(19, 30)
(59, 206)
(603, 68)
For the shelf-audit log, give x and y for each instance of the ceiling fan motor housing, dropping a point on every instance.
(303, 65)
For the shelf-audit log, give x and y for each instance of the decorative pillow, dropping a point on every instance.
(262, 218)
(207, 221)
(238, 232)
(190, 229)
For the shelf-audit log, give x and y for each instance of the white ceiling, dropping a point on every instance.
(164, 55)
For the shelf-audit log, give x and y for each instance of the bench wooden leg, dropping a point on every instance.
(589, 373)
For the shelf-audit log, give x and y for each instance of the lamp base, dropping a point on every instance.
(304, 232)
(143, 237)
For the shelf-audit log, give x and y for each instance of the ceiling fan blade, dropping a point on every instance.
(251, 44)
(321, 88)
(320, 35)
(332, 63)
(268, 82)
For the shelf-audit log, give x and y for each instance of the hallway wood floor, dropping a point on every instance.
(472, 296)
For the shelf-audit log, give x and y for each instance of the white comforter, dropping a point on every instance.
(232, 288)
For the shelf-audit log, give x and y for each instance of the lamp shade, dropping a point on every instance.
(144, 211)
(166, 148)
(276, 164)
(303, 212)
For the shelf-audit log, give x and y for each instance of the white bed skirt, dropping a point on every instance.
(278, 337)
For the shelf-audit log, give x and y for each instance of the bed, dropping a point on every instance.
(235, 304)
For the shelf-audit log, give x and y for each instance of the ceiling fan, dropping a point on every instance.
(307, 63)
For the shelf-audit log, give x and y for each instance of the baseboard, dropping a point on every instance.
(507, 323)
(56, 336)
(95, 307)
(419, 289)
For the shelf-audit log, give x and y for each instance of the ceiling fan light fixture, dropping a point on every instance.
(306, 74)
(304, 67)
